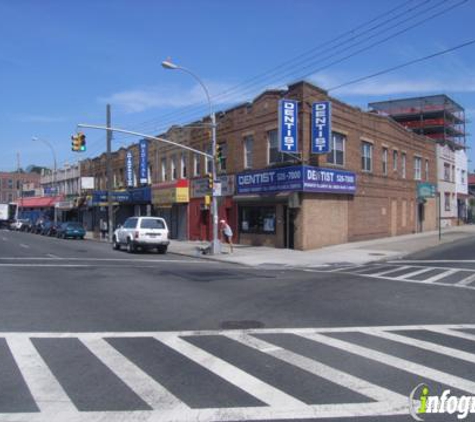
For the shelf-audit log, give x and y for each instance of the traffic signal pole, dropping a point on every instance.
(110, 211)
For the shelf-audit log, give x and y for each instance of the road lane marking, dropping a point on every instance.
(319, 369)
(45, 389)
(432, 261)
(395, 362)
(421, 344)
(149, 390)
(235, 376)
(50, 255)
(24, 246)
(466, 281)
(413, 273)
(452, 332)
(440, 276)
(392, 270)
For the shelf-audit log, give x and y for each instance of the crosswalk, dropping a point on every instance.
(230, 375)
(410, 271)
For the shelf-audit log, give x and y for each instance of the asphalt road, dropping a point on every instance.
(88, 333)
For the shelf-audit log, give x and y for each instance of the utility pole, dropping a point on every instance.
(110, 211)
(20, 202)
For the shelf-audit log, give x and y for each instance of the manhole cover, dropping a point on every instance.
(241, 325)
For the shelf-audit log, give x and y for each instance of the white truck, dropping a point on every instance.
(4, 214)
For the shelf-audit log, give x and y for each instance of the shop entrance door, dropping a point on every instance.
(289, 228)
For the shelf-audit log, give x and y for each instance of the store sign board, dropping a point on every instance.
(288, 125)
(129, 169)
(171, 193)
(321, 127)
(199, 187)
(296, 178)
(426, 190)
(143, 161)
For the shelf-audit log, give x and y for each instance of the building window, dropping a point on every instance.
(274, 155)
(462, 177)
(196, 165)
(447, 201)
(453, 174)
(163, 170)
(427, 170)
(183, 173)
(417, 168)
(403, 165)
(395, 160)
(337, 149)
(174, 174)
(224, 155)
(384, 160)
(366, 156)
(447, 172)
(248, 147)
(257, 220)
(10, 184)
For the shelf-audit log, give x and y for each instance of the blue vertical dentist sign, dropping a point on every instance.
(129, 169)
(321, 127)
(143, 162)
(288, 118)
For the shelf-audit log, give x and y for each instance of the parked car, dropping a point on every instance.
(37, 228)
(20, 224)
(49, 229)
(143, 233)
(70, 229)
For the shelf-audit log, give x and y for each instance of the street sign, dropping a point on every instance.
(288, 125)
(129, 169)
(426, 190)
(217, 188)
(143, 162)
(321, 127)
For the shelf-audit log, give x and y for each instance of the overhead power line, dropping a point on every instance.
(409, 63)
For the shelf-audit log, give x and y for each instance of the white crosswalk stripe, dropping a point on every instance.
(56, 406)
(416, 273)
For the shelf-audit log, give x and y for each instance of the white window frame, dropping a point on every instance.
(248, 152)
(196, 165)
(163, 169)
(395, 159)
(332, 155)
(384, 160)
(403, 165)
(427, 170)
(183, 169)
(366, 156)
(173, 168)
(417, 168)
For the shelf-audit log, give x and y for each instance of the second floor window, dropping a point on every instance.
(403, 165)
(183, 173)
(248, 149)
(366, 156)
(196, 165)
(395, 160)
(417, 168)
(337, 149)
(224, 156)
(163, 170)
(447, 172)
(427, 170)
(174, 172)
(384, 159)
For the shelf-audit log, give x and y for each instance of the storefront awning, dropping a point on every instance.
(39, 202)
(281, 197)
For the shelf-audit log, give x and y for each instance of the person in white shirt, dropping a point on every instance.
(227, 234)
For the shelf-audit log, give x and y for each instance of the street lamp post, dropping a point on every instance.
(55, 170)
(216, 245)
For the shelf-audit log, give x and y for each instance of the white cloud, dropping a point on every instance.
(28, 118)
(141, 99)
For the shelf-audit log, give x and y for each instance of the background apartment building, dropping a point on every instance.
(12, 183)
(384, 161)
(442, 119)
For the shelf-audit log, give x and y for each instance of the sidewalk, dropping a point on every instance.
(355, 253)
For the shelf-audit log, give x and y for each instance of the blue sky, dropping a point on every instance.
(61, 62)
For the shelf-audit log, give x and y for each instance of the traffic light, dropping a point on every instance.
(209, 177)
(82, 141)
(219, 153)
(75, 143)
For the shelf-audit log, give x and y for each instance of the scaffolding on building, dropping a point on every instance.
(436, 116)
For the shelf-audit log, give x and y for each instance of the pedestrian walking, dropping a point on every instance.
(103, 227)
(227, 234)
